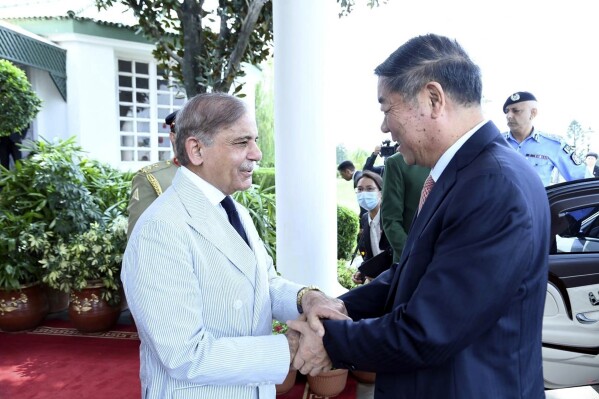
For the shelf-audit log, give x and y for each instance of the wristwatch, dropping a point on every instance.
(300, 295)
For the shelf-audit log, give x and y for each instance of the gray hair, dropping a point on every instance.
(203, 116)
(429, 58)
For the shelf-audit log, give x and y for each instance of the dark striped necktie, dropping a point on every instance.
(234, 219)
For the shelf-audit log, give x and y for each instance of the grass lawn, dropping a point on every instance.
(346, 195)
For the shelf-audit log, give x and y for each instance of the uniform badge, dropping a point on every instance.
(515, 97)
(567, 149)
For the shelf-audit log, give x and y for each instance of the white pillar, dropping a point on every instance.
(304, 146)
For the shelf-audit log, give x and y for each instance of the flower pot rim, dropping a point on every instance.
(22, 287)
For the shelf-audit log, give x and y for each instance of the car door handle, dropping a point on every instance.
(582, 318)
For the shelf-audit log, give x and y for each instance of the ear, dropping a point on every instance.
(193, 148)
(436, 98)
(533, 113)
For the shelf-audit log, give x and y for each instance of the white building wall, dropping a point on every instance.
(92, 91)
(51, 121)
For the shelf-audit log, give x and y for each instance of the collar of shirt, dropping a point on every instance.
(214, 195)
(451, 151)
(534, 135)
(377, 218)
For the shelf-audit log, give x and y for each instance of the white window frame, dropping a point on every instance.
(131, 150)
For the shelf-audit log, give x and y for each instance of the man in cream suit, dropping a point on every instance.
(203, 298)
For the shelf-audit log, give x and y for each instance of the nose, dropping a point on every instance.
(384, 127)
(254, 154)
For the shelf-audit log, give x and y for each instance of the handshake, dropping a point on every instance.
(305, 333)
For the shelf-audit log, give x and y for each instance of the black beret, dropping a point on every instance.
(518, 97)
(170, 118)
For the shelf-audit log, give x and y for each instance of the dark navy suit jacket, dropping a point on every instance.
(459, 317)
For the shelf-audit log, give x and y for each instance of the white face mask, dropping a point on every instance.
(368, 200)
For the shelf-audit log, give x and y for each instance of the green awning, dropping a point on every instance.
(26, 50)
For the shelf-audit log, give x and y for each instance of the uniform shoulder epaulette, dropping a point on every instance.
(155, 167)
(553, 137)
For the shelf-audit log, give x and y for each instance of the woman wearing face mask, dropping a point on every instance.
(372, 239)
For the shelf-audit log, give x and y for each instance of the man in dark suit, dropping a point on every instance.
(460, 316)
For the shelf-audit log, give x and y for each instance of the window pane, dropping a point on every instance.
(179, 101)
(142, 83)
(127, 141)
(142, 68)
(143, 156)
(125, 96)
(126, 126)
(164, 155)
(164, 99)
(125, 81)
(143, 112)
(164, 141)
(162, 85)
(143, 141)
(142, 97)
(125, 110)
(143, 127)
(124, 66)
(126, 156)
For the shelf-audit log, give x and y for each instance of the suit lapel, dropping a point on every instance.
(465, 155)
(208, 222)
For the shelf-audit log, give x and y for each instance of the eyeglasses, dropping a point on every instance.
(366, 189)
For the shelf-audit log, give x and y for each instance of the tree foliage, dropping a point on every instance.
(577, 138)
(203, 46)
(18, 102)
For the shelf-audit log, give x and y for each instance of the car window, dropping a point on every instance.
(576, 231)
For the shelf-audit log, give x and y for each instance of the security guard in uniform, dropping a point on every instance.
(151, 181)
(545, 152)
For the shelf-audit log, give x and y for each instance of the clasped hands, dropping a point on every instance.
(308, 354)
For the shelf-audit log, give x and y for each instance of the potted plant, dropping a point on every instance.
(23, 304)
(289, 382)
(88, 266)
(328, 383)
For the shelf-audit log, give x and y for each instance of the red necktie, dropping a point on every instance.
(426, 189)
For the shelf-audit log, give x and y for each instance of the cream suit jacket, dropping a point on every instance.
(203, 302)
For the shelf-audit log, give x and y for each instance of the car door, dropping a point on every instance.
(571, 317)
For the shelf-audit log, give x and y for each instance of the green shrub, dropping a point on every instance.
(18, 102)
(265, 178)
(260, 202)
(344, 274)
(347, 232)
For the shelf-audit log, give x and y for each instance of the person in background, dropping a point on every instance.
(152, 180)
(460, 315)
(9, 147)
(372, 239)
(348, 172)
(591, 162)
(402, 184)
(199, 283)
(369, 164)
(548, 154)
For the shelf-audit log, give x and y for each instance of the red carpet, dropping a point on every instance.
(55, 361)
(58, 362)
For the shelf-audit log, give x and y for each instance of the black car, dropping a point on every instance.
(571, 317)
